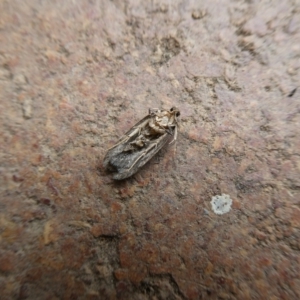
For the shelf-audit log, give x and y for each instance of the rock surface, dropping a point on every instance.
(75, 76)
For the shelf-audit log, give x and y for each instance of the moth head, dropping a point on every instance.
(175, 110)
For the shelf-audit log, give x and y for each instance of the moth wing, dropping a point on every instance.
(141, 157)
(128, 137)
(139, 124)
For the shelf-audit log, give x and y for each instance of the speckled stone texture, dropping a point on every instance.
(76, 75)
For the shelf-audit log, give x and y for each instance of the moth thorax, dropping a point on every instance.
(164, 121)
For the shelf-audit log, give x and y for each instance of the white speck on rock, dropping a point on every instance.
(27, 111)
(221, 204)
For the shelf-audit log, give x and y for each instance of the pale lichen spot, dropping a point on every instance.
(221, 204)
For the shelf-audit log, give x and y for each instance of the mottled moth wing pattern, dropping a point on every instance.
(142, 142)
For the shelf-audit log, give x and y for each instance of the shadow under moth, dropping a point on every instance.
(142, 142)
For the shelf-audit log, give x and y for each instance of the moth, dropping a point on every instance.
(142, 142)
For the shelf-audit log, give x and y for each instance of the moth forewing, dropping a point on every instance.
(136, 160)
(132, 132)
(141, 142)
(140, 124)
(126, 138)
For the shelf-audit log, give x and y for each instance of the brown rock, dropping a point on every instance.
(104, 230)
(136, 273)
(116, 207)
(149, 253)
(290, 214)
(209, 268)
(121, 274)
(104, 271)
(50, 233)
(75, 78)
(7, 262)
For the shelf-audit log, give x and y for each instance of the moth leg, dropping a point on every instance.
(175, 136)
(133, 133)
(169, 130)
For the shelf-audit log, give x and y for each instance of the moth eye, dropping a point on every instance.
(172, 108)
(177, 113)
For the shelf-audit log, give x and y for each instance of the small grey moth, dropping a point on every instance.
(142, 142)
